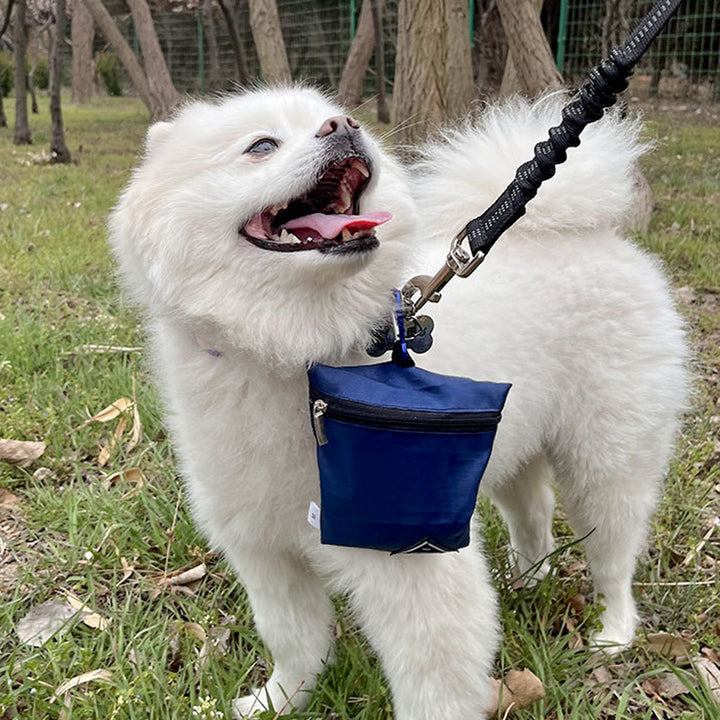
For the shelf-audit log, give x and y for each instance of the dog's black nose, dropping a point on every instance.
(342, 124)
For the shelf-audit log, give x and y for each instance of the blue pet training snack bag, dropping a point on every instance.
(401, 452)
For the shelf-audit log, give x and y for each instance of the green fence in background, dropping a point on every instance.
(686, 54)
(685, 60)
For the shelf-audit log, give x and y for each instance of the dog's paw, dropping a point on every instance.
(527, 575)
(270, 697)
(614, 637)
(246, 707)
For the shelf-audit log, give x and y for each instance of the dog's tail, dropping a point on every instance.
(462, 174)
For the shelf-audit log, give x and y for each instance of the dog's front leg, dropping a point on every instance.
(432, 619)
(294, 616)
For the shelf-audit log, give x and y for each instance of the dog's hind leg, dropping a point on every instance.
(294, 617)
(612, 507)
(526, 503)
(432, 620)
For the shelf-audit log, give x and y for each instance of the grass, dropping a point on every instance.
(72, 527)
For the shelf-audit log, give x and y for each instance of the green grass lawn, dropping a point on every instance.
(69, 525)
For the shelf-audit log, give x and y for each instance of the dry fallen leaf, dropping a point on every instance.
(47, 619)
(710, 674)
(128, 570)
(600, 675)
(104, 675)
(188, 576)
(87, 615)
(136, 432)
(120, 408)
(672, 646)
(174, 661)
(111, 411)
(7, 498)
(664, 686)
(575, 642)
(669, 685)
(698, 548)
(132, 475)
(216, 641)
(42, 474)
(104, 455)
(518, 689)
(21, 452)
(220, 635)
(577, 603)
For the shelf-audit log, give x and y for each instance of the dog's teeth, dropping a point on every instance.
(286, 237)
(360, 166)
(346, 234)
(275, 209)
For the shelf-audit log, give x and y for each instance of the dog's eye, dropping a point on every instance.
(264, 146)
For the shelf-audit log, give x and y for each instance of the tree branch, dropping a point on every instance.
(7, 17)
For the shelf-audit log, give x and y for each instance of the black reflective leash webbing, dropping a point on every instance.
(598, 93)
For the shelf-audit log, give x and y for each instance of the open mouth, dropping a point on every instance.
(326, 218)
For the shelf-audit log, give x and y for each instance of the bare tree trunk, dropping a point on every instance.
(240, 61)
(83, 33)
(423, 98)
(511, 84)
(460, 87)
(32, 53)
(156, 70)
(489, 47)
(352, 80)
(124, 52)
(265, 25)
(3, 28)
(214, 75)
(418, 69)
(6, 19)
(383, 112)
(22, 127)
(34, 109)
(59, 152)
(528, 46)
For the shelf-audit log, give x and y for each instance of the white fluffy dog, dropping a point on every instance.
(255, 233)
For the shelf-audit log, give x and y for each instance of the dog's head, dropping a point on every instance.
(269, 220)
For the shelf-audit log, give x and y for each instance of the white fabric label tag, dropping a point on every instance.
(314, 515)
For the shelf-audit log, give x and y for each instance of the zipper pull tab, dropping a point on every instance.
(318, 413)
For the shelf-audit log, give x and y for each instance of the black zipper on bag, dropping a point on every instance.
(395, 418)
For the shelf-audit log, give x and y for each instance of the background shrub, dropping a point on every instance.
(109, 71)
(6, 73)
(41, 76)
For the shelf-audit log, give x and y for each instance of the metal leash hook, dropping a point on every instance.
(459, 261)
(422, 289)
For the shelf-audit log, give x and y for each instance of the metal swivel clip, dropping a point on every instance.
(422, 289)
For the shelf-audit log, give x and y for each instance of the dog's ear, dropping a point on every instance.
(157, 134)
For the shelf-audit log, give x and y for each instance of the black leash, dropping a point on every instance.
(599, 92)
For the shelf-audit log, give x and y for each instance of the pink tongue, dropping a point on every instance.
(330, 226)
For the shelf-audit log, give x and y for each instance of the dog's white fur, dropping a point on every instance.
(577, 318)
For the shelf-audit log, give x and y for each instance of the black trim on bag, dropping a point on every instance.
(429, 420)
